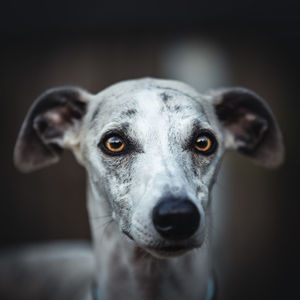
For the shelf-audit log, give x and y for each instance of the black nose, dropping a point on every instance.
(176, 218)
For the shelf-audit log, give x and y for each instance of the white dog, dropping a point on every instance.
(152, 149)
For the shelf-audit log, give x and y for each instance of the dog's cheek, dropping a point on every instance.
(120, 182)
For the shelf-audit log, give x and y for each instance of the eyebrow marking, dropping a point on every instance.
(124, 126)
(165, 97)
(197, 124)
(129, 112)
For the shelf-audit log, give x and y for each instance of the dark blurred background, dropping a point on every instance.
(208, 44)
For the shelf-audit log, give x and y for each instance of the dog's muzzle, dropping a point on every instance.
(176, 218)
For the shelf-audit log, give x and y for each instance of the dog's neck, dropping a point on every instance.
(125, 271)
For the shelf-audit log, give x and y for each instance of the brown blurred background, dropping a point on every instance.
(208, 44)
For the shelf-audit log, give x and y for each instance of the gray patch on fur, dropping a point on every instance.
(165, 97)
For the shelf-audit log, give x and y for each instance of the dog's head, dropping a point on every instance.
(152, 149)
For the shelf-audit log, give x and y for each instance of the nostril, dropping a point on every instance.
(176, 219)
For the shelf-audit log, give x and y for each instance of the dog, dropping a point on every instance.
(152, 149)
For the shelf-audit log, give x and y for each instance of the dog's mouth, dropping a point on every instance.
(165, 251)
(127, 234)
(169, 251)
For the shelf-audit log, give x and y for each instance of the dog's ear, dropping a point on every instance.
(249, 125)
(52, 124)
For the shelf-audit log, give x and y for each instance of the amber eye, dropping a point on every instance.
(205, 144)
(114, 144)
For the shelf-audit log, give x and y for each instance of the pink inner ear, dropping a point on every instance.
(60, 118)
(239, 124)
(248, 128)
(250, 117)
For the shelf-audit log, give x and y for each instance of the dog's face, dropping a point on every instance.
(154, 146)
(152, 149)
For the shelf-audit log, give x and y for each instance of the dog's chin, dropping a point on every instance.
(168, 251)
(163, 252)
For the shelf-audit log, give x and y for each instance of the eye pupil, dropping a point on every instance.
(205, 144)
(202, 142)
(115, 142)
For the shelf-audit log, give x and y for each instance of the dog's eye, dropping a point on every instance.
(114, 144)
(205, 144)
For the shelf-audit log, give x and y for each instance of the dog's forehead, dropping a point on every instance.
(153, 103)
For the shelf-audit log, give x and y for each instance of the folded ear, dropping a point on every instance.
(52, 123)
(249, 125)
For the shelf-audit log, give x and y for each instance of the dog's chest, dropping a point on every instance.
(125, 275)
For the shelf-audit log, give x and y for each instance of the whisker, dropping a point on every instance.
(101, 217)
(104, 225)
